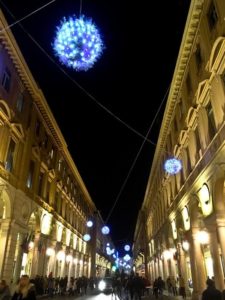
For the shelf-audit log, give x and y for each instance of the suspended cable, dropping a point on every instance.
(145, 138)
(25, 17)
(77, 84)
(136, 157)
(81, 4)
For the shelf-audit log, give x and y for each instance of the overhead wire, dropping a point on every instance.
(26, 16)
(144, 137)
(136, 157)
(113, 115)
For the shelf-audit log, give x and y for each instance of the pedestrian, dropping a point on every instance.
(4, 291)
(182, 291)
(24, 290)
(211, 293)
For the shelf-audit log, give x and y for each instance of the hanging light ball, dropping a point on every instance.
(127, 248)
(105, 230)
(87, 237)
(89, 223)
(78, 43)
(172, 166)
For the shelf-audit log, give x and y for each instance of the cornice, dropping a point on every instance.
(7, 39)
(190, 33)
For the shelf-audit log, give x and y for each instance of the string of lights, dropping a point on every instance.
(26, 16)
(88, 94)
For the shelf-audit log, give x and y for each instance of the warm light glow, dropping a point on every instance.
(31, 245)
(101, 285)
(174, 229)
(68, 236)
(59, 232)
(167, 254)
(46, 223)
(185, 245)
(105, 230)
(69, 258)
(75, 261)
(87, 237)
(60, 255)
(202, 237)
(50, 252)
(186, 218)
(81, 261)
(206, 202)
(89, 223)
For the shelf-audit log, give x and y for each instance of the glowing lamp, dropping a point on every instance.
(50, 252)
(172, 166)
(105, 230)
(31, 245)
(127, 248)
(167, 254)
(87, 237)
(203, 237)
(69, 258)
(60, 255)
(185, 245)
(89, 223)
(78, 43)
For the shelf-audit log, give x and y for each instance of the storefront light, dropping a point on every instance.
(69, 258)
(31, 245)
(167, 254)
(203, 237)
(185, 245)
(50, 252)
(60, 255)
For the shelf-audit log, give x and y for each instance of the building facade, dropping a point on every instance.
(182, 217)
(44, 204)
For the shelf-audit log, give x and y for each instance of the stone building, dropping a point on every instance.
(181, 225)
(44, 204)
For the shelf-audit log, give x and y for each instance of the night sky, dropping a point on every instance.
(142, 40)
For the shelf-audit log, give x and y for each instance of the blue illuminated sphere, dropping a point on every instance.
(87, 237)
(173, 166)
(89, 223)
(127, 248)
(105, 230)
(78, 43)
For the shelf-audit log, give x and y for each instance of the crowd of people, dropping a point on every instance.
(124, 286)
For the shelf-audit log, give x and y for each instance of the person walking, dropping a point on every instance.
(182, 291)
(4, 291)
(211, 293)
(24, 290)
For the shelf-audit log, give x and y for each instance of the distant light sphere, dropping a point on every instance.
(105, 230)
(89, 223)
(78, 43)
(87, 237)
(173, 166)
(127, 248)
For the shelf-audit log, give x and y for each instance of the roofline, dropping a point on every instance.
(185, 51)
(8, 40)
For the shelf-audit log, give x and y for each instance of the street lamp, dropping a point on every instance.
(203, 237)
